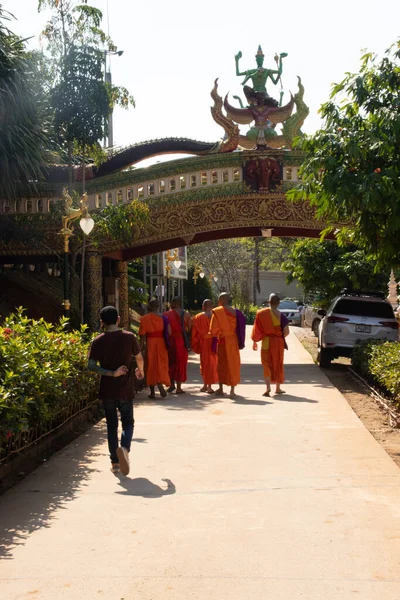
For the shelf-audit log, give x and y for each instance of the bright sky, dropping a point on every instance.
(173, 51)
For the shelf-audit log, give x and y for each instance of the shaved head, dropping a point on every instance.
(207, 305)
(176, 302)
(153, 305)
(274, 300)
(224, 299)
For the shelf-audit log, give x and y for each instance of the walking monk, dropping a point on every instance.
(153, 332)
(229, 326)
(270, 328)
(181, 324)
(205, 344)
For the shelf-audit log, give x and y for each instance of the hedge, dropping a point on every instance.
(250, 312)
(43, 374)
(379, 363)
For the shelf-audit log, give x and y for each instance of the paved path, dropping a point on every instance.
(282, 500)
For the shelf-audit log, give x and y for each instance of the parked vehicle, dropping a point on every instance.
(354, 316)
(292, 310)
(312, 318)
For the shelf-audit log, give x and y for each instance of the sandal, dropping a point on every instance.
(162, 391)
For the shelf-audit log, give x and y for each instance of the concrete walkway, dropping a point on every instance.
(227, 500)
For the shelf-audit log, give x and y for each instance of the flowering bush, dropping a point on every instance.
(42, 371)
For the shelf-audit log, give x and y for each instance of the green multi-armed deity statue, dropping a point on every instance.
(262, 110)
(258, 93)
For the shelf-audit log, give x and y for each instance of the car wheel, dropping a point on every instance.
(315, 327)
(324, 358)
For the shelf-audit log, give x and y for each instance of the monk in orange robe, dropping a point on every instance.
(178, 351)
(153, 332)
(205, 344)
(229, 326)
(270, 328)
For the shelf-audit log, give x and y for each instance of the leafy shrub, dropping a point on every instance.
(250, 312)
(42, 371)
(379, 362)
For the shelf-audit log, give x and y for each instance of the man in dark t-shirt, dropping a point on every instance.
(111, 354)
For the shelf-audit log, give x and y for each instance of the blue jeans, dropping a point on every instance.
(126, 411)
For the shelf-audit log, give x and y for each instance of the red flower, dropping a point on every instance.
(378, 170)
(9, 434)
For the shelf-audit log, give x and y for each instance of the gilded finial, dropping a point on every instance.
(259, 51)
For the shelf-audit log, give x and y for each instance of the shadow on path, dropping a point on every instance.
(291, 398)
(33, 503)
(140, 486)
(249, 401)
(192, 400)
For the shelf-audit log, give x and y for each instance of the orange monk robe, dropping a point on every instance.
(223, 326)
(267, 329)
(152, 326)
(202, 342)
(177, 352)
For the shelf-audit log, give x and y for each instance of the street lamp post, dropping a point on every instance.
(86, 223)
(112, 51)
(171, 258)
(197, 272)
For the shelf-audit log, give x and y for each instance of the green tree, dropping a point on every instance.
(324, 268)
(352, 169)
(196, 293)
(268, 254)
(23, 137)
(81, 99)
(230, 261)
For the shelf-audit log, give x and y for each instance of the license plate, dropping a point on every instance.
(363, 328)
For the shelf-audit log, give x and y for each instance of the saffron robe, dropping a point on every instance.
(268, 329)
(224, 326)
(202, 343)
(156, 366)
(177, 352)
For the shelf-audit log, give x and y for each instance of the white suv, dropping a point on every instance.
(351, 317)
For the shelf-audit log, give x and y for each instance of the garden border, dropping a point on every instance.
(394, 416)
(36, 452)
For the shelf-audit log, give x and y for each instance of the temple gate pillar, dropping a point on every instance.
(123, 288)
(93, 289)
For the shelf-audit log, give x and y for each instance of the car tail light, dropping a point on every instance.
(391, 324)
(337, 319)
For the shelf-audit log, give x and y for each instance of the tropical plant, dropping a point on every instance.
(23, 137)
(351, 173)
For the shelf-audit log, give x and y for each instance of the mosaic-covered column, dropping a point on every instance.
(93, 289)
(122, 274)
